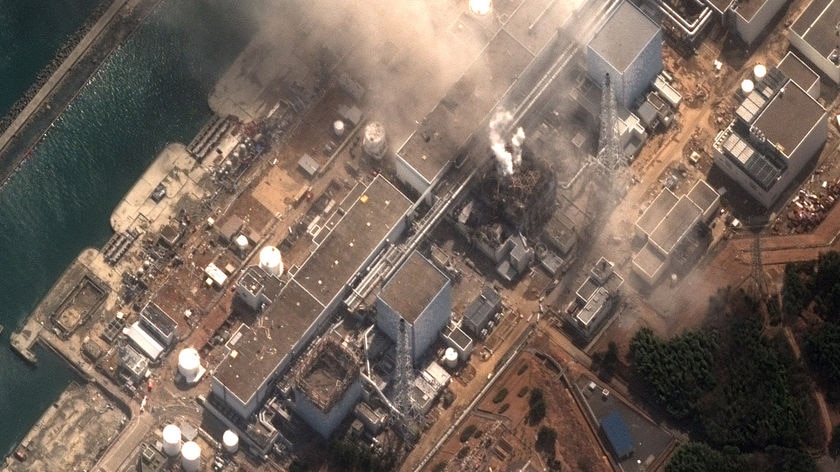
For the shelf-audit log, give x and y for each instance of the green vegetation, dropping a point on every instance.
(439, 467)
(546, 439)
(500, 395)
(699, 457)
(467, 433)
(822, 351)
(679, 370)
(536, 404)
(522, 368)
(504, 408)
(522, 392)
(834, 443)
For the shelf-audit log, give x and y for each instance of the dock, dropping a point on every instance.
(25, 338)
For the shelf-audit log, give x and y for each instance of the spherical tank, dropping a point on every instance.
(747, 86)
(189, 363)
(271, 260)
(450, 357)
(374, 142)
(171, 440)
(191, 456)
(230, 441)
(759, 71)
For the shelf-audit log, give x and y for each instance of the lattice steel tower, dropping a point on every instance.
(610, 156)
(404, 383)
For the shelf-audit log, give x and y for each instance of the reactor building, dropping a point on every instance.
(628, 48)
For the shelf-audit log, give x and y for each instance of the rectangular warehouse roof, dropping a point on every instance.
(676, 224)
(302, 302)
(789, 117)
(797, 71)
(817, 25)
(363, 228)
(624, 36)
(656, 211)
(704, 196)
(649, 261)
(413, 287)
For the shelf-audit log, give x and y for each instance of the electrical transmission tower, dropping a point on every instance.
(403, 385)
(610, 156)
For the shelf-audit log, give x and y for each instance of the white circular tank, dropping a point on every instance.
(374, 142)
(230, 441)
(271, 260)
(338, 128)
(241, 242)
(747, 86)
(450, 357)
(189, 363)
(191, 456)
(759, 71)
(171, 440)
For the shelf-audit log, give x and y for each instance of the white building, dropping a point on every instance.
(421, 295)
(629, 48)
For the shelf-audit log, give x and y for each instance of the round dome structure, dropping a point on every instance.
(191, 456)
(171, 440)
(230, 441)
(241, 242)
(338, 128)
(374, 142)
(450, 357)
(271, 260)
(759, 71)
(747, 86)
(189, 364)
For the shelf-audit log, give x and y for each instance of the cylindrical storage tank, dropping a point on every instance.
(171, 440)
(338, 128)
(450, 357)
(759, 71)
(374, 142)
(191, 456)
(241, 242)
(230, 442)
(271, 260)
(747, 86)
(189, 363)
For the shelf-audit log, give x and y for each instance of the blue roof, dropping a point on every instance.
(617, 434)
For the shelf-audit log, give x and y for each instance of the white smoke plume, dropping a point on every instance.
(504, 158)
(516, 143)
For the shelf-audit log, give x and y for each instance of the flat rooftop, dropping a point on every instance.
(757, 166)
(817, 25)
(466, 104)
(259, 351)
(413, 287)
(703, 195)
(593, 306)
(720, 5)
(656, 211)
(748, 8)
(797, 71)
(365, 226)
(789, 118)
(623, 36)
(676, 224)
(649, 260)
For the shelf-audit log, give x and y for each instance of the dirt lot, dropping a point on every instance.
(507, 438)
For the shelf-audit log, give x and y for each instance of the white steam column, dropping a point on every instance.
(374, 142)
(189, 365)
(481, 7)
(171, 440)
(271, 261)
(191, 456)
(230, 442)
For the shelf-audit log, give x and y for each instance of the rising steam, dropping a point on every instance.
(508, 155)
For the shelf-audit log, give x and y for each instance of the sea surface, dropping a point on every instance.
(151, 91)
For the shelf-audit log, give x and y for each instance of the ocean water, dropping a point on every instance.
(151, 91)
(31, 32)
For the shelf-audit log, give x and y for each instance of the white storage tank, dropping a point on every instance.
(191, 456)
(747, 86)
(189, 364)
(230, 442)
(271, 260)
(374, 142)
(338, 128)
(759, 71)
(241, 243)
(450, 357)
(171, 440)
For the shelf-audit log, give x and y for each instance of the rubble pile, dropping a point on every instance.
(807, 209)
